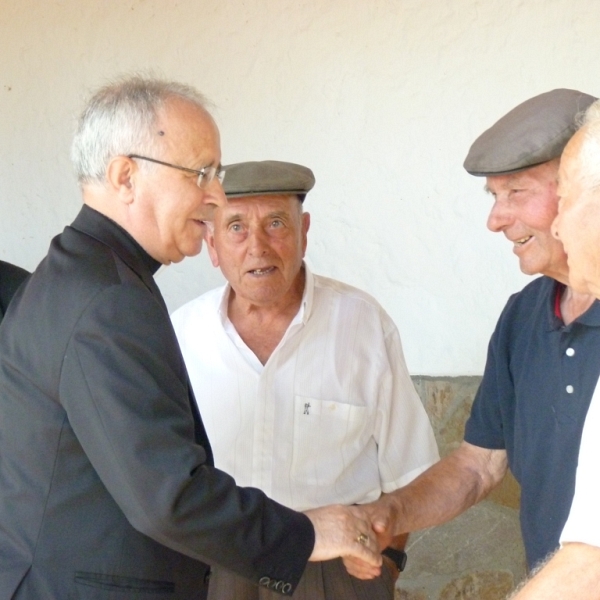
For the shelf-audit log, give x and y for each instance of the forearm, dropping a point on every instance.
(573, 572)
(445, 490)
(442, 492)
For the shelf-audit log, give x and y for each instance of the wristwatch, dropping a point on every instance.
(398, 557)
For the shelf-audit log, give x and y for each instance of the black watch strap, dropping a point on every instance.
(398, 557)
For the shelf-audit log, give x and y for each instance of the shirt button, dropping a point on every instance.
(569, 389)
(570, 352)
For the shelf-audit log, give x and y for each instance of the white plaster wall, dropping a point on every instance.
(381, 98)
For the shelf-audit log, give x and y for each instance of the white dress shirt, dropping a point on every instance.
(332, 417)
(583, 524)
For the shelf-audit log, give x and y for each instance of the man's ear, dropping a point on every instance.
(305, 228)
(120, 175)
(209, 237)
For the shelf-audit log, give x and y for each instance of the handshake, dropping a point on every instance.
(357, 533)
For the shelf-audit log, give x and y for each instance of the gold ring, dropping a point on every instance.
(362, 539)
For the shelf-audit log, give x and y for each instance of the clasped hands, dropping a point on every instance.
(356, 533)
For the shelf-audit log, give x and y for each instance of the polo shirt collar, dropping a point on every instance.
(590, 318)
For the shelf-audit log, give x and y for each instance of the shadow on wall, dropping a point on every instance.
(479, 555)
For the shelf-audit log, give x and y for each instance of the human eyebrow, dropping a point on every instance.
(233, 218)
(277, 215)
(208, 165)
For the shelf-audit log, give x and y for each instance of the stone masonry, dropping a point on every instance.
(479, 555)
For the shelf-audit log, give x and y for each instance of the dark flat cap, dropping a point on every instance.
(267, 177)
(533, 133)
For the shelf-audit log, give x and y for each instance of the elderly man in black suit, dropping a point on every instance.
(108, 488)
(11, 277)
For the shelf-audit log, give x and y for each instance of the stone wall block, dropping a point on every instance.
(410, 595)
(487, 585)
(447, 401)
(478, 555)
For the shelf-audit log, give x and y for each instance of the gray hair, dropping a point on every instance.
(119, 119)
(589, 155)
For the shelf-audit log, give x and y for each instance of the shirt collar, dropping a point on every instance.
(590, 318)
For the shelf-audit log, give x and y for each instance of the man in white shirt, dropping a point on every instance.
(301, 379)
(574, 571)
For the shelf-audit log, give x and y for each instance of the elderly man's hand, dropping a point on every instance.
(345, 531)
(360, 569)
(383, 515)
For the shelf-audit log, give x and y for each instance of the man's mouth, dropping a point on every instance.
(522, 241)
(259, 272)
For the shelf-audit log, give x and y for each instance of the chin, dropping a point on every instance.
(527, 269)
(191, 250)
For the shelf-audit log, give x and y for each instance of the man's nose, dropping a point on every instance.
(257, 242)
(499, 217)
(214, 194)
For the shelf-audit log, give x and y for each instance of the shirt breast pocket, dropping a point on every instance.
(328, 436)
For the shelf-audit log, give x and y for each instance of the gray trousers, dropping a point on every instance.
(321, 581)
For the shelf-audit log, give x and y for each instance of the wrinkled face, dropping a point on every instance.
(171, 209)
(525, 204)
(578, 222)
(259, 243)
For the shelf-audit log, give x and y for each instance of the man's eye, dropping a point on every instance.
(235, 227)
(276, 223)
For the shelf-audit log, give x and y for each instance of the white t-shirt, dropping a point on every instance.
(332, 417)
(583, 524)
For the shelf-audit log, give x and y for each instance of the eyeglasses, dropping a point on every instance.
(205, 175)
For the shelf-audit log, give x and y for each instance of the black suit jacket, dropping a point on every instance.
(104, 491)
(11, 277)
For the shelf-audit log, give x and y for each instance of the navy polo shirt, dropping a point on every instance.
(539, 379)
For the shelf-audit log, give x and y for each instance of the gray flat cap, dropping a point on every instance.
(532, 133)
(267, 177)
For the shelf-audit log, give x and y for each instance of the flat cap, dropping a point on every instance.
(532, 133)
(267, 177)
